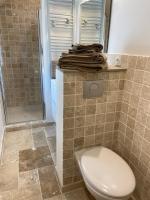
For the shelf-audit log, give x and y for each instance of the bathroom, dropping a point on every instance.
(59, 140)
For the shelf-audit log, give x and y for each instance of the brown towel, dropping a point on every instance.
(79, 67)
(95, 47)
(84, 58)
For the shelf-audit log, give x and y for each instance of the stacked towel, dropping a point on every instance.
(84, 58)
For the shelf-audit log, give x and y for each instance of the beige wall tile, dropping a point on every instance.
(89, 120)
(132, 60)
(79, 122)
(90, 109)
(138, 76)
(89, 130)
(69, 88)
(100, 108)
(146, 92)
(141, 62)
(93, 120)
(69, 112)
(79, 111)
(69, 123)
(89, 140)
(69, 100)
(79, 132)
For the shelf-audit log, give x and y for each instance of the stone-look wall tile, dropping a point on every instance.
(141, 62)
(100, 119)
(89, 130)
(79, 132)
(69, 100)
(69, 88)
(138, 76)
(69, 78)
(78, 142)
(89, 141)
(69, 112)
(146, 92)
(69, 123)
(79, 122)
(146, 78)
(134, 124)
(147, 66)
(89, 122)
(79, 111)
(132, 61)
(69, 133)
(90, 109)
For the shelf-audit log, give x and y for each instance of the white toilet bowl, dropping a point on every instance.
(106, 175)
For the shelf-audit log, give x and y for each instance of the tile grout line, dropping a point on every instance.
(39, 183)
(33, 145)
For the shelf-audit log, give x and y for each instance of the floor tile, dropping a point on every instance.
(39, 138)
(48, 182)
(6, 195)
(31, 193)
(24, 113)
(9, 155)
(77, 194)
(23, 139)
(32, 159)
(28, 178)
(59, 197)
(8, 177)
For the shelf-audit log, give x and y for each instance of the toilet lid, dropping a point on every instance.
(107, 172)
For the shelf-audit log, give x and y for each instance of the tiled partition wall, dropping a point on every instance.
(120, 119)
(89, 122)
(20, 52)
(134, 123)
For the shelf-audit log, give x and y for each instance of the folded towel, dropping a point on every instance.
(79, 67)
(95, 47)
(88, 58)
(84, 58)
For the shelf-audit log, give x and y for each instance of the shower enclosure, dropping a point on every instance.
(20, 62)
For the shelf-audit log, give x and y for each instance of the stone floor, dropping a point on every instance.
(27, 167)
(24, 113)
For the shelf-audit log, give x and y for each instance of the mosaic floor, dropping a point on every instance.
(27, 167)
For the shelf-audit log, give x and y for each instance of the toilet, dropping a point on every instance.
(106, 175)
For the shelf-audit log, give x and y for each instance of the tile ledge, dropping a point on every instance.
(111, 68)
(114, 68)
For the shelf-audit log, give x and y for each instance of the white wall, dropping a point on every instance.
(46, 61)
(130, 28)
(59, 124)
(54, 98)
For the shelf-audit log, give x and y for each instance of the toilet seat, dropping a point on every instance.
(106, 172)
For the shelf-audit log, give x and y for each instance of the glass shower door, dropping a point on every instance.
(21, 70)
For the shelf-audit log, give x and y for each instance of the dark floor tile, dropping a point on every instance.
(48, 182)
(32, 159)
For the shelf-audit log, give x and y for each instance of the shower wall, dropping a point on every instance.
(20, 50)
